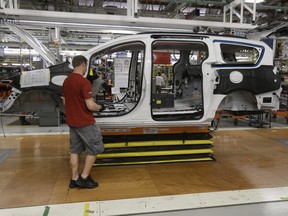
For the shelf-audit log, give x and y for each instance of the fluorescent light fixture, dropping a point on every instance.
(106, 37)
(71, 53)
(15, 51)
(18, 64)
(119, 31)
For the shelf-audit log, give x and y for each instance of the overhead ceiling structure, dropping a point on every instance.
(76, 25)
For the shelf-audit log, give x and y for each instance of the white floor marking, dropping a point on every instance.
(155, 204)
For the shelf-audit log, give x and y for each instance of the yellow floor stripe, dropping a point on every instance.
(157, 143)
(154, 161)
(86, 209)
(154, 153)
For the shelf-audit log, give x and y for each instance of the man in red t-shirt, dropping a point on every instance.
(85, 135)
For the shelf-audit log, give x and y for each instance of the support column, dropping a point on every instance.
(12, 4)
(224, 13)
(254, 11)
(240, 15)
(242, 12)
(57, 42)
(1, 4)
(15, 3)
(231, 13)
(132, 8)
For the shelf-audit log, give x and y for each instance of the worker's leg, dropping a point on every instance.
(89, 161)
(74, 163)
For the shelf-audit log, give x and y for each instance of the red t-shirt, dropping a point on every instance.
(75, 90)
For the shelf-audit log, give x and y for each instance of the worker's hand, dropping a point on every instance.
(102, 107)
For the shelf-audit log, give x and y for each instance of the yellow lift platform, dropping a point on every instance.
(161, 147)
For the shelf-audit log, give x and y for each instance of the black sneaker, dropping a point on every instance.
(87, 182)
(72, 184)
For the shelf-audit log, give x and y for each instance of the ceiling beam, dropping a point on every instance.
(116, 21)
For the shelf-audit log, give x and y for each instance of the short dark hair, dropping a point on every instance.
(78, 60)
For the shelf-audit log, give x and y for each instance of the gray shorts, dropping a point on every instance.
(87, 138)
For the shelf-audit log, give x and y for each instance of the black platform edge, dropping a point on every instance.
(154, 159)
(151, 137)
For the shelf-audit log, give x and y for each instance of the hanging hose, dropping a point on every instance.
(215, 122)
